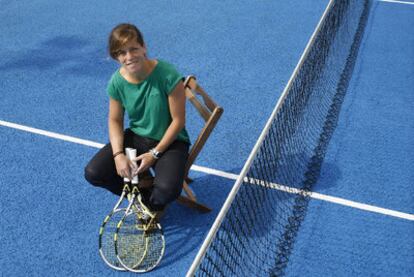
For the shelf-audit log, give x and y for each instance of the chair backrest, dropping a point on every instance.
(208, 110)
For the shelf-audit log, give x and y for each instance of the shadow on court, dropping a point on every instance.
(72, 55)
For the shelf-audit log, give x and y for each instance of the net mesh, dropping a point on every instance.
(257, 235)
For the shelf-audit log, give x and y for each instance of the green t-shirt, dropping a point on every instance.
(147, 102)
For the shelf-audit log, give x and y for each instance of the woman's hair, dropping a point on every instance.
(121, 35)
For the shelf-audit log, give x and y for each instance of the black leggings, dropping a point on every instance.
(169, 170)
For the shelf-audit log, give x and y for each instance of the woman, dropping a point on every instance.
(152, 93)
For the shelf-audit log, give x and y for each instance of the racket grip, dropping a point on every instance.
(132, 154)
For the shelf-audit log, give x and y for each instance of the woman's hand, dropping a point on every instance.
(124, 167)
(145, 161)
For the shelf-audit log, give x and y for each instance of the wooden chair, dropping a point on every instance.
(211, 113)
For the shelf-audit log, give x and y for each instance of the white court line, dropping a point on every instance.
(51, 134)
(100, 145)
(397, 2)
(227, 175)
(215, 172)
(336, 200)
(361, 206)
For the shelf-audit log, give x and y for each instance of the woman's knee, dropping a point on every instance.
(163, 194)
(91, 175)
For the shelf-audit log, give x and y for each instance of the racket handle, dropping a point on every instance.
(132, 154)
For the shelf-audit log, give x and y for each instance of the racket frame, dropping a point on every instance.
(128, 212)
(125, 191)
(136, 199)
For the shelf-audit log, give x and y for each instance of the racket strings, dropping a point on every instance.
(155, 247)
(131, 244)
(140, 244)
(106, 240)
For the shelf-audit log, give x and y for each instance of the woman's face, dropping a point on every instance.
(132, 57)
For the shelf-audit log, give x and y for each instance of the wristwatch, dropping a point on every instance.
(156, 154)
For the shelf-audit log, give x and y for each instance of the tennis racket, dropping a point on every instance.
(129, 245)
(138, 235)
(108, 228)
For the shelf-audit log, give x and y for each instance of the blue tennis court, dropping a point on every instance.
(53, 119)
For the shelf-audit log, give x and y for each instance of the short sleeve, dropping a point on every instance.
(173, 77)
(112, 89)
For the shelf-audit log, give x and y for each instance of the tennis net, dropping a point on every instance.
(255, 231)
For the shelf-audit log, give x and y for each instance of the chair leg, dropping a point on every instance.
(186, 201)
(190, 200)
(188, 191)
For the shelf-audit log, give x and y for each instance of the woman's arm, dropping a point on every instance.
(116, 137)
(116, 125)
(176, 102)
